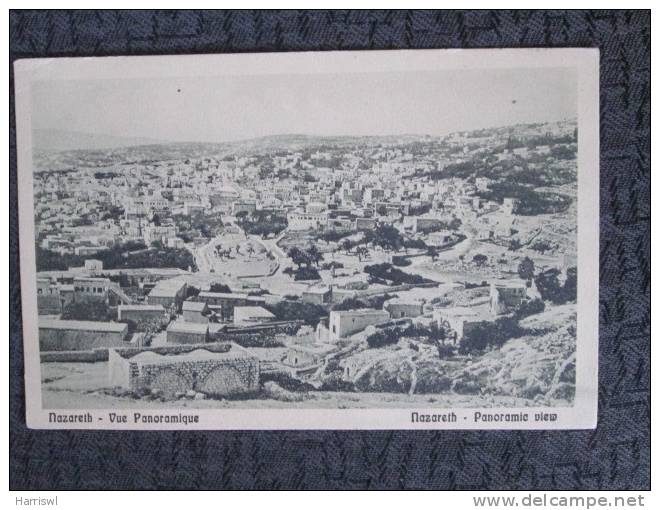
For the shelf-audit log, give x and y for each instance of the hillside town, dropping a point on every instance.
(311, 272)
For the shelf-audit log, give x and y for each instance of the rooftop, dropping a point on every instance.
(90, 279)
(141, 308)
(404, 301)
(194, 306)
(111, 327)
(316, 290)
(511, 283)
(474, 313)
(359, 311)
(167, 288)
(252, 311)
(199, 354)
(181, 326)
(231, 295)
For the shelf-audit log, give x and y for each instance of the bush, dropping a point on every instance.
(414, 244)
(400, 261)
(384, 337)
(335, 382)
(526, 269)
(332, 235)
(489, 334)
(542, 246)
(220, 287)
(332, 265)
(296, 310)
(480, 259)
(87, 311)
(528, 308)
(262, 222)
(258, 339)
(192, 292)
(286, 381)
(548, 285)
(469, 387)
(386, 271)
(430, 381)
(350, 304)
(306, 273)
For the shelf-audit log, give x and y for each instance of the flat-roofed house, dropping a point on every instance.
(507, 295)
(317, 295)
(347, 322)
(91, 289)
(182, 332)
(251, 315)
(48, 297)
(169, 293)
(64, 335)
(195, 311)
(399, 308)
(227, 301)
(303, 356)
(461, 320)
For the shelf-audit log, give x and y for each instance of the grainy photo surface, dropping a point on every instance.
(338, 240)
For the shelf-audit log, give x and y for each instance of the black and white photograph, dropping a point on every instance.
(365, 240)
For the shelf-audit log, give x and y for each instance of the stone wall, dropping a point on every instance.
(231, 373)
(49, 304)
(74, 340)
(213, 377)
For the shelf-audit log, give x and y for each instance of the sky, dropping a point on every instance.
(217, 109)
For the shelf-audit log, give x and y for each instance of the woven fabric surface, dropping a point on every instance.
(616, 455)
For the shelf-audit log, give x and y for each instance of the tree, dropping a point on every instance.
(87, 311)
(192, 291)
(385, 236)
(347, 245)
(298, 256)
(515, 244)
(479, 259)
(569, 292)
(526, 269)
(437, 336)
(548, 285)
(314, 255)
(296, 310)
(383, 337)
(220, 288)
(541, 246)
(531, 307)
(362, 251)
(350, 304)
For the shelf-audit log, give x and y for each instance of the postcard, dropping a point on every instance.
(320, 240)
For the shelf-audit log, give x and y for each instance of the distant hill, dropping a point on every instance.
(62, 140)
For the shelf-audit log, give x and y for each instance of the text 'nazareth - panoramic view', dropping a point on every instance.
(362, 268)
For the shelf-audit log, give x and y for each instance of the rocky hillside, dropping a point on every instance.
(538, 366)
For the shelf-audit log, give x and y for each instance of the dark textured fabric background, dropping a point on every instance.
(614, 456)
